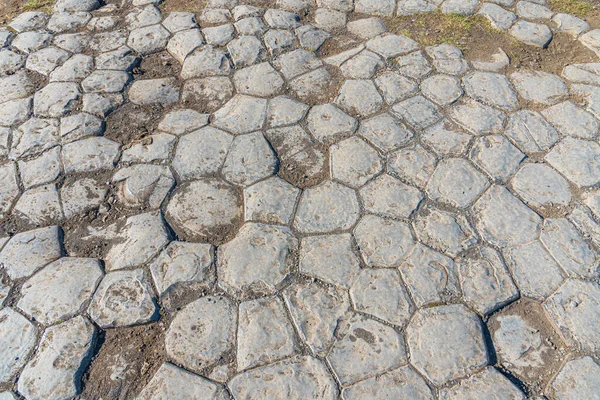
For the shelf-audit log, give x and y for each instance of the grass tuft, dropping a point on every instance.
(576, 7)
(37, 5)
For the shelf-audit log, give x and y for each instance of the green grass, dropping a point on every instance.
(42, 5)
(575, 7)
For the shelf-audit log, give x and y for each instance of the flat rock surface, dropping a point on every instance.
(296, 200)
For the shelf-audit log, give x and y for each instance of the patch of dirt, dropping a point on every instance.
(159, 65)
(479, 41)
(132, 122)
(183, 5)
(307, 168)
(11, 8)
(538, 363)
(127, 359)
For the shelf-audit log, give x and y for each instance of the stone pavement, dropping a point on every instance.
(383, 221)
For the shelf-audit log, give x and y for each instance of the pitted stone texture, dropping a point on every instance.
(496, 156)
(390, 197)
(499, 17)
(359, 97)
(249, 160)
(91, 154)
(171, 382)
(265, 334)
(354, 162)
(183, 264)
(330, 258)
(489, 384)
(531, 132)
(56, 99)
(383, 242)
(220, 214)
(205, 61)
(34, 136)
(143, 184)
(271, 201)
(477, 118)
(504, 220)
(257, 260)
(182, 121)
(394, 86)
(211, 92)
(384, 132)
(540, 186)
(163, 92)
(431, 277)
(485, 280)
(296, 378)
(571, 120)
(327, 122)
(570, 154)
(388, 45)
(418, 112)
(258, 80)
(183, 43)
(526, 342)
(123, 298)
(578, 379)
(448, 59)
(59, 290)
(366, 348)
(317, 311)
(575, 309)
(379, 292)
(82, 195)
(138, 241)
(283, 110)
(27, 252)
(414, 164)
(327, 208)
(540, 87)
(149, 39)
(242, 114)
(569, 248)
(9, 188)
(536, 273)
(531, 33)
(446, 342)
(39, 205)
(442, 89)
(401, 383)
(64, 351)
(457, 182)
(18, 337)
(151, 148)
(445, 138)
(492, 89)
(201, 153)
(202, 332)
(44, 61)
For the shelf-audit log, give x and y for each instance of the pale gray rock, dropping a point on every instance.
(390, 197)
(29, 21)
(591, 40)
(442, 89)
(536, 273)
(330, 258)
(326, 208)
(211, 92)
(257, 261)
(366, 28)
(39, 206)
(300, 377)
(143, 185)
(485, 281)
(413, 65)
(448, 59)
(34, 137)
(173, 382)
(283, 110)
(585, 372)
(444, 231)
(59, 291)
(141, 238)
(503, 220)
(311, 38)
(79, 126)
(499, 17)
(106, 81)
(44, 61)
(579, 326)
(569, 248)
(541, 186)
(431, 277)
(571, 120)
(496, 156)
(76, 5)
(359, 97)
(460, 7)
(249, 160)
(281, 19)
(445, 138)
(14, 112)
(219, 35)
(123, 298)
(278, 41)
(477, 118)
(362, 66)
(354, 162)
(384, 132)
(489, 383)
(389, 45)
(531, 132)
(379, 292)
(311, 85)
(16, 86)
(569, 24)
(82, 195)
(68, 21)
(181, 121)
(327, 122)
(43, 169)
(143, 16)
(149, 39)
(375, 7)
(490, 88)
(317, 310)
(107, 41)
(201, 153)
(246, 50)
(92, 154)
(28, 42)
(101, 104)
(163, 92)
(250, 26)
(183, 264)
(540, 87)
(265, 334)
(222, 208)
(570, 154)
(366, 348)
(10, 62)
(27, 252)
(75, 69)
(258, 80)
(151, 148)
(271, 201)
(56, 99)
(414, 164)
(9, 187)
(183, 43)
(383, 242)
(53, 371)
(457, 182)
(242, 114)
(531, 33)
(179, 21)
(18, 338)
(73, 42)
(446, 342)
(329, 20)
(194, 348)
